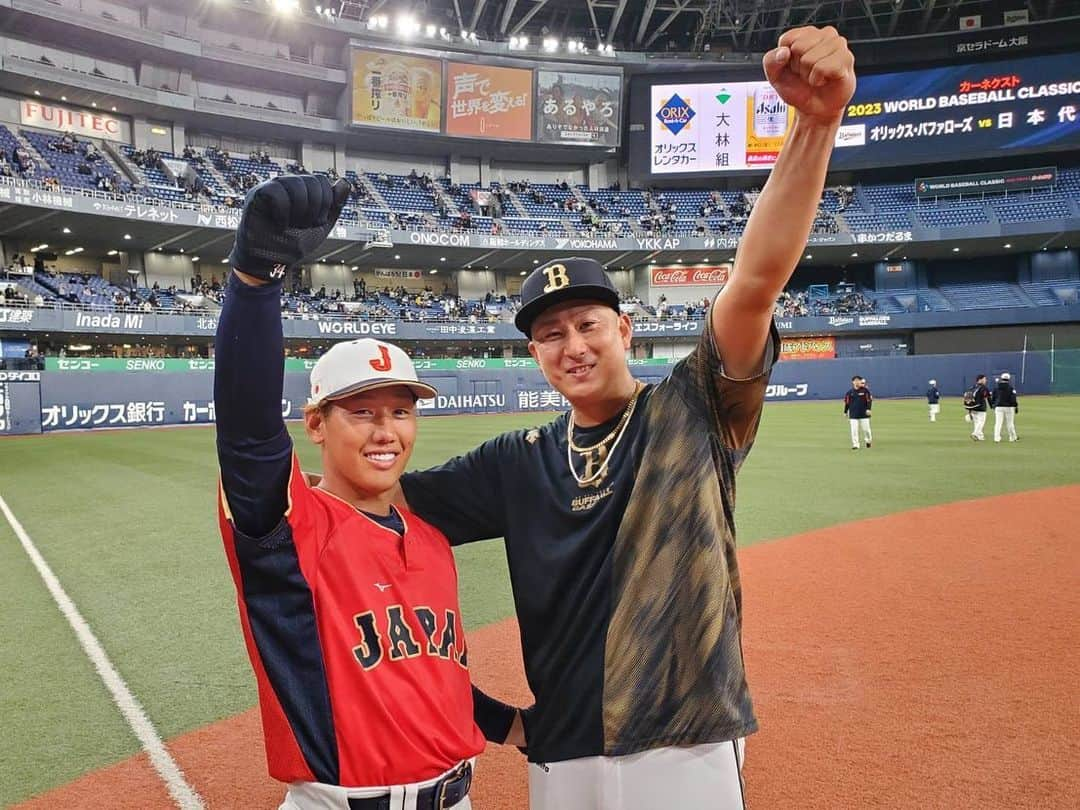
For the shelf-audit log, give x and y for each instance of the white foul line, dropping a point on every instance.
(182, 793)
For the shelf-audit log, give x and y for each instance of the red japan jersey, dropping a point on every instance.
(356, 640)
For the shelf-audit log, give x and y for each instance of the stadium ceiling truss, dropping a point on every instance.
(737, 26)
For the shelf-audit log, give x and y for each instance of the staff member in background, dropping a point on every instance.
(976, 400)
(933, 397)
(857, 402)
(1005, 407)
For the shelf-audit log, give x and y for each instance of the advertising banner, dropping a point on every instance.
(986, 182)
(67, 119)
(809, 348)
(717, 127)
(578, 108)
(716, 276)
(396, 90)
(484, 101)
(959, 112)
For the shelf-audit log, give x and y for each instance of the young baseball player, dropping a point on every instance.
(933, 398)
(348, 604)
(1006, 406)
(857, 403)
(618, 516)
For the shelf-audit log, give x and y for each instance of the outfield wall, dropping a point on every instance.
(181, 392)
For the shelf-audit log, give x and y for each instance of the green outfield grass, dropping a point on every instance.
(126, 520)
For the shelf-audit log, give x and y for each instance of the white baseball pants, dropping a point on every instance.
(978, 422)
(318, 796)
(1005, 416)
(860, 425)
(935, 409)
(698, 777)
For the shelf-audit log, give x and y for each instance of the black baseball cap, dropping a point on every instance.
(563, 280)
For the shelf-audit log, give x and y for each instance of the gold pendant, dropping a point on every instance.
(595, 466)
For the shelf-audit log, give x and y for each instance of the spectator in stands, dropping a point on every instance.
(23, 162)
(91, 154)
(5, 167)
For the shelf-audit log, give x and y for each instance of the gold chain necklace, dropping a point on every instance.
(602, 453)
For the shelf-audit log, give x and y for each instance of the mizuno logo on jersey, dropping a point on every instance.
(393, 636)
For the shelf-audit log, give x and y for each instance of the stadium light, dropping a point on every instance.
(127, 236)
(433, 272)
(407, 25)
(93, 104)
(431, 31)
(536, 261)
(63, 98)
(355, 267)
(442, 258)
(194, 258)
(67, 230)
(808, 256)
(956, 250)
(523, 273)
(73, 251)
(1008, 246)
(444, 34)
(112, 252)
(285, 6)
(42, 246)
(551, 44)
(224, 261)
(855, 255)
(37, 92)
(397, 255)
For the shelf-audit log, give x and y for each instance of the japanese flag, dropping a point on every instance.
(974, 21)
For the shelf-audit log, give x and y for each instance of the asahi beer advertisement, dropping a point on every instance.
(396, 90)
(578, 108)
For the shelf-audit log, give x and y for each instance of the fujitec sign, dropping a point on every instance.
(65, 119)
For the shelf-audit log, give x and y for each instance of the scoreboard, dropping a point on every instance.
(959, 112)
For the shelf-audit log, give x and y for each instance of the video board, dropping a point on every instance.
(958, 112)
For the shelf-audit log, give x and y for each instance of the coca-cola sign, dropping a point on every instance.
(712, 276)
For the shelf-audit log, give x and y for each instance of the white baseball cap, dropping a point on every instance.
(933, 382)
(1006, 376)
(361, 365)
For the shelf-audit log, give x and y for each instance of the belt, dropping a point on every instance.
(447, 792)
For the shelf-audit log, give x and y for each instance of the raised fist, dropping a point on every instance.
(284, 221)
(813, 71)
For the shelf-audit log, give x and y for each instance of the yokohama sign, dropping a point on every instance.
(715, 276)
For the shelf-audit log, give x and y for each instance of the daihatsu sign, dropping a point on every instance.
(89, 124)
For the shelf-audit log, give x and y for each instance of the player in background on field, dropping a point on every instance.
(618, 515)
(933, 397)
(976, 401)
(1006, 407)
(348, 604)
(857, 402)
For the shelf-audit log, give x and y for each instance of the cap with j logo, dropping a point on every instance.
(563, 280)
(360, 365)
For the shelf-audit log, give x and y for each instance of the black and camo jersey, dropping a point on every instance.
(627, 590)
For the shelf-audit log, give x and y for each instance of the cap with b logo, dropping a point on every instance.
(361, 365)
(563, 280)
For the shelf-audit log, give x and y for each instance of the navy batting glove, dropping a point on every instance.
(284, 221)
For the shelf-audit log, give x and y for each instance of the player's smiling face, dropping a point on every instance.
(366, 440)
(581, 348)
